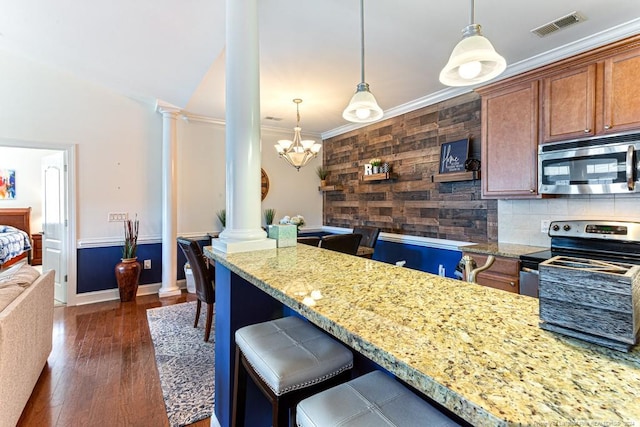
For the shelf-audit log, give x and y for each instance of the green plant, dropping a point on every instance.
(269, 214)
(130, 238)
(322, 172)
(375, 162)
(222, 217)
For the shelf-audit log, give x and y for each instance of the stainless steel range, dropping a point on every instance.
(616, 241)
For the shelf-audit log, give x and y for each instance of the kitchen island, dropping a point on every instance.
(475, 350)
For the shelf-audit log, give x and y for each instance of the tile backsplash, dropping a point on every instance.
(519, 221)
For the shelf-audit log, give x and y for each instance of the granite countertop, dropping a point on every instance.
(476, 350)
(510, 250)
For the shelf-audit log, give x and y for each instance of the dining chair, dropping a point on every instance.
(369, 235)
(309, 240)
(345, 243)
(203, 278)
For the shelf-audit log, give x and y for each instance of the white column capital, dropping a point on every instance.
(166, 108)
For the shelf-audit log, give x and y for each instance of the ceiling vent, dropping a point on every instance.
(559, 24)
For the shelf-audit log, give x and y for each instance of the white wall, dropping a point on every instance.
(519, 220)
(201, 179)
(119, 154)
(27, 164)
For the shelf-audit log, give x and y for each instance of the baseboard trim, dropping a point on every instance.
(113, 294)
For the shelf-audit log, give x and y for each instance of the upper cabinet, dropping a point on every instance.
(622, 92)
(568, 104)
(590, 94)
(593, 99)
(509, 141)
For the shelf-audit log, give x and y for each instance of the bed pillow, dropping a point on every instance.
(24, 276)
(8, 294)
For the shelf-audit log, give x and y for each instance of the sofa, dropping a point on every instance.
(26, 329)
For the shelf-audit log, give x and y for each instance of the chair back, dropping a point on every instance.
(345, 243)
(202, 275)
(309, 240)
(369, 235)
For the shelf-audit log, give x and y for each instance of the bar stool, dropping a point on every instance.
(288, 359)
(374, 399)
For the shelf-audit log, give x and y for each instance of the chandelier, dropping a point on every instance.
(298, 152)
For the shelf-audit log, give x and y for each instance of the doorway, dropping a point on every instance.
(55, 216)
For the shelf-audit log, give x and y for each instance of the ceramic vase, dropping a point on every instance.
(127, 275)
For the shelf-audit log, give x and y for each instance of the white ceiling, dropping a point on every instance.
(174, 50)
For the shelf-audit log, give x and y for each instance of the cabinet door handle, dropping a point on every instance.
(607, 126)
(512, 284)
(532, 191)
(587, 131)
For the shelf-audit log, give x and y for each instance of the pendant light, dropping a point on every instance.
(473, 60)
(363, 107)
(297, 152)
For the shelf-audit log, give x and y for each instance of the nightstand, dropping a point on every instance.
(36, 253)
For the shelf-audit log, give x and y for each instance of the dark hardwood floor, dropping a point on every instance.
(102, 369)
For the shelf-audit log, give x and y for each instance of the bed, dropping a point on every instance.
(15, 236)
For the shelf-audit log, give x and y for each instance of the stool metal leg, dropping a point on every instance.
(239, 392)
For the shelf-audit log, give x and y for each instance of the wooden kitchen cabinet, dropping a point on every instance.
(621, 103)
(593, 99)
(509, 141)
(503, 274)
(568, 104)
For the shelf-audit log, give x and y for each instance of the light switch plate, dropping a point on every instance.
(544, 225)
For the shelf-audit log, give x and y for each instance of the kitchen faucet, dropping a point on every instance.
(471, 267)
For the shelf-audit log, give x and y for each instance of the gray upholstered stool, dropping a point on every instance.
(289, 360)
(374, 399)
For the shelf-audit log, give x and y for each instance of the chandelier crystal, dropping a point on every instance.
(298, 152)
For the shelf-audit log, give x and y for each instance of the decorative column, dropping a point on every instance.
(243, 231)
(170, 115)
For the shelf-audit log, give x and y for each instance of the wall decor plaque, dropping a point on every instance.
(453, 156)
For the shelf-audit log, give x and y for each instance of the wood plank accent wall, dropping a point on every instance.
(412, 204)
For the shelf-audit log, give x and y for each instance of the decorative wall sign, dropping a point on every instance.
(453, 155)
(7, 184)
(264, 182)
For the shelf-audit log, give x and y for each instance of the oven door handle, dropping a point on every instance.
(630, 168)
(530, 270)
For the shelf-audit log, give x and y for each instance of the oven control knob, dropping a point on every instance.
(566, 227)
(555, 227)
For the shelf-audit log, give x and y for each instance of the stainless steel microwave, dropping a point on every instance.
(598, 165)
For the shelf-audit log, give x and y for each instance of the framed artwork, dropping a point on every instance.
(453, 156)
(7, 184)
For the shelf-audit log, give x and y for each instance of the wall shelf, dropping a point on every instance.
(456, 176)
(330, 188)
(380, 176)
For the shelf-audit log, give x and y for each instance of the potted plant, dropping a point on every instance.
(222, 217)
(128, 270)
(269, 214)
(376, 163)
(322, 174)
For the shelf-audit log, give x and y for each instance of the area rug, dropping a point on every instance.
(185, 361)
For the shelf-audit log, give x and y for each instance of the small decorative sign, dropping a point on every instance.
(453, 155)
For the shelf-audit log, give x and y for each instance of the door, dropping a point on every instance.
(54, 221)
(510, 141)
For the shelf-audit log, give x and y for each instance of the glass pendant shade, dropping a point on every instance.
(363, 107)
(473, 60)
